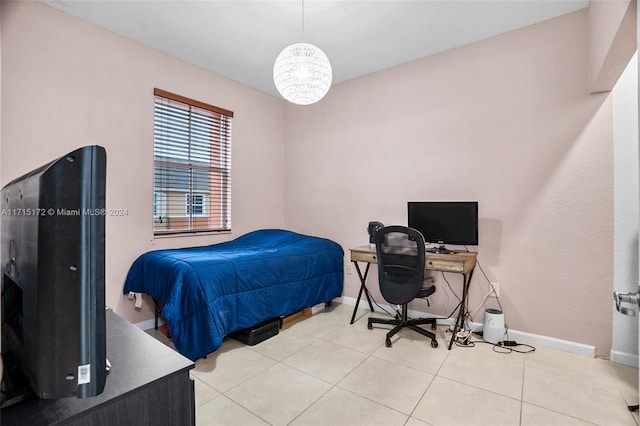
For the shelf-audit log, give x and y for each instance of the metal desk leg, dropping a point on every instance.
(363, 287)
(463, 307)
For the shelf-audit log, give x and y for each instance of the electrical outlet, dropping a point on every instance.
(496, 290)
(349, 270)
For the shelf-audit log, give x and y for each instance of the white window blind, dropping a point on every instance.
(192, 166)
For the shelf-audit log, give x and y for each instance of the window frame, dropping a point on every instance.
(159, 204)
(194, 159)
(191, 205)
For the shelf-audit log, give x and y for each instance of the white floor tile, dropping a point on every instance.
(568, 364)
(341, 408)
(389, 384)
(279, 394)
(283, 345)
(357, 337)
(585, 400)
(204, 392)
(414, 350)
(486, 370)
(230, 365)
(326, 361)
(320, 370)
(447, 402)
(222, 411)
(537, 416)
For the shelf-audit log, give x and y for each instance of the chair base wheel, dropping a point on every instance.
(387, 343)
(434, 343)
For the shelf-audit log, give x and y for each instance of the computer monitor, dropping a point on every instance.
(53, 278)
(445, 222)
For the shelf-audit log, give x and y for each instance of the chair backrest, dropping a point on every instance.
(401, 263)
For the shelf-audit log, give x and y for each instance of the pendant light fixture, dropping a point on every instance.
(302, 72)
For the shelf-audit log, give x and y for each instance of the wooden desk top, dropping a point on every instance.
(461, 263)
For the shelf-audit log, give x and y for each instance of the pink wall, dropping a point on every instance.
(508, 122)
(612, 41)
(66, 83)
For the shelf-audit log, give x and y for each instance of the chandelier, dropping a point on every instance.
(302, 72)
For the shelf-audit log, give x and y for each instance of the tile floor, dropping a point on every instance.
(320, 370)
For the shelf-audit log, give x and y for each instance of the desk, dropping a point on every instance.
(459, 263)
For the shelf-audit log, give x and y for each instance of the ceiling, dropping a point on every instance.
(240, 39)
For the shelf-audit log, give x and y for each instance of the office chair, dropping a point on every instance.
(401, 273)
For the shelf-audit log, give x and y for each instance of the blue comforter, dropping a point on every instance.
(209, 292)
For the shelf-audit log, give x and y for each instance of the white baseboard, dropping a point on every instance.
(553, 343)
(519, 336)
(624, 358)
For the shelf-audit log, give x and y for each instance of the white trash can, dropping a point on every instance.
(493, 330)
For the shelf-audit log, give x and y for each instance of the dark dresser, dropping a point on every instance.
(148, 384)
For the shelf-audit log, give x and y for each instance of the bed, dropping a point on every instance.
(211, 291)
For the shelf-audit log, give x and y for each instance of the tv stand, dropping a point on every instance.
(15, 386)
(149, 383)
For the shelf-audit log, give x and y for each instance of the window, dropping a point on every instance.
(192, 166)
(195, 204)
(159, 204)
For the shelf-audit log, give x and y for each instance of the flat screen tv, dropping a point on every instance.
(445, 222)
(53, 273)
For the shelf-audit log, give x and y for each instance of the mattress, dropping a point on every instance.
(210, 291)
